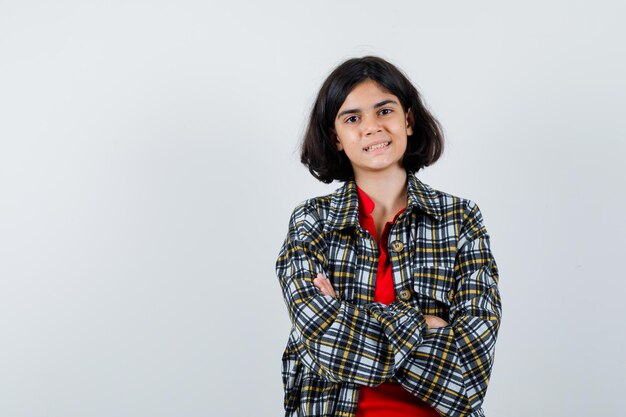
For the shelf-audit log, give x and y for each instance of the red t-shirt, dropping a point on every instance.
(389, 399)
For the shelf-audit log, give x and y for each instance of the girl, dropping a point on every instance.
(390, 285)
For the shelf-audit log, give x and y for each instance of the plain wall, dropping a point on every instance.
(149, 164)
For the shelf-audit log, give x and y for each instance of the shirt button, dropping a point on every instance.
(397, 246)
(450, 295)
(405, 294)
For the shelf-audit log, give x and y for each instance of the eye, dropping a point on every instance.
(385, 112)
(352, 119)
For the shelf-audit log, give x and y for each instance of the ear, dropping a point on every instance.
(338, 144)
(410, 122)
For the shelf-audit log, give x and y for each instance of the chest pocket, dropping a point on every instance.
(434, 289)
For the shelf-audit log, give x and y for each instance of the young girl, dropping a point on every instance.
(390, 284)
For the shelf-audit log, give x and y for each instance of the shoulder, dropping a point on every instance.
(311, 207)
(310, 215)
(454, 206)
(443, 207)
(461, 213)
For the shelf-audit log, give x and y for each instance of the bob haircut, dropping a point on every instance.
(319, 152)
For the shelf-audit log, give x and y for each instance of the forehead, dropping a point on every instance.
(366, 94)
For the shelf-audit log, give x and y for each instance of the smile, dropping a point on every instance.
(375, 147)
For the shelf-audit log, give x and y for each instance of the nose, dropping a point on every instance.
(370, 125)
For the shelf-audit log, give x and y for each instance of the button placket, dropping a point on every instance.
(367, 253)
(400, 261)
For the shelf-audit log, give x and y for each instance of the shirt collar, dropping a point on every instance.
(344, 203)
(366, 204)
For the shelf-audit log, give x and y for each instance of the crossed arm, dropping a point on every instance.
(447, 365)
(325, 286)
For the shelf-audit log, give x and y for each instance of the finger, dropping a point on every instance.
(319, 283)
(323, 281)
(434, 322)
(324, 285)
(329, 288)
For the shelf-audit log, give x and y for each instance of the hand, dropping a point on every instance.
(434, 322)
(324, 285)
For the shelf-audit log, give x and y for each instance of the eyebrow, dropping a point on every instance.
(375, 106)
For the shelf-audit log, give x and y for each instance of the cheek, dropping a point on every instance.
(348, 136)
(352, 149)
(402, 147)
(402, 129)
(402, 142)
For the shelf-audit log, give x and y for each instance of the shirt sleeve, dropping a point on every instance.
(364, 345)
(450, 369)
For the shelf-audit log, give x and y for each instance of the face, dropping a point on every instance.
(368, 117)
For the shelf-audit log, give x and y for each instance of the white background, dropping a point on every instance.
(149, 163)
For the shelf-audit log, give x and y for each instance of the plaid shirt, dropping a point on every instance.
(442, 265)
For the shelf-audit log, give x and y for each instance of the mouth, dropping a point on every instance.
(377, 146)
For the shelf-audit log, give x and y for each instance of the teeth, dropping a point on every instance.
(380, 145)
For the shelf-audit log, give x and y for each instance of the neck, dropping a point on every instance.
(388, 191)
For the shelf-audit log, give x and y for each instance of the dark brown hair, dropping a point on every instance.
(319, 152)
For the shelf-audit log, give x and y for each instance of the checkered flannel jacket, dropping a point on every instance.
(442, 265)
